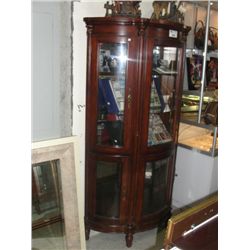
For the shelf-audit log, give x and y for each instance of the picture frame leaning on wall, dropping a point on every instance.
(65, 150)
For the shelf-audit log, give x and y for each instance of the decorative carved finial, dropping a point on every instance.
(123, 8)
(172, 10)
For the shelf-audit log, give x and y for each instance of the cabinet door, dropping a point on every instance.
(162, 96)
(108, 188)
(110, 94)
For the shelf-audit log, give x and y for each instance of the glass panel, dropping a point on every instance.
(47, 209)
(162, 95)
(108, 183)
(191, 96)
(155, 186)
(111, 93)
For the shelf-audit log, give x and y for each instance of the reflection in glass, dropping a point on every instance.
(155, 186)
(164, 74)
(47, 209)
(190, 104)
(108, 181)
(111, 93)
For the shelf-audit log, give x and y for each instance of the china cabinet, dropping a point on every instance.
(134, 85)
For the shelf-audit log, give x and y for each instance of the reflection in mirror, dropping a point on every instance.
(47, 206)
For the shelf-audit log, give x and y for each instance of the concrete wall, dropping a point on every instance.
(51, 70)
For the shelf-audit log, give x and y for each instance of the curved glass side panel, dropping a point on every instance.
(162, 95)
(155, 186)
(111, 93)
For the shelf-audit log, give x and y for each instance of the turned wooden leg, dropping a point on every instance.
(129, 235)
(129, 239)
(87, 232)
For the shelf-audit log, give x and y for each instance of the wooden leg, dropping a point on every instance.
(129, 235)
(129, 239)
(87, 232)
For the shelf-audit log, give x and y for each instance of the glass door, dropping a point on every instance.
(110, 187)
(112, 67)
(162, 95)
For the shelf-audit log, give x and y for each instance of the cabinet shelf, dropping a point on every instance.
(161, 71)
(105, 75)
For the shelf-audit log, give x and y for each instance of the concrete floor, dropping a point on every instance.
(51, 238)
(148, 240)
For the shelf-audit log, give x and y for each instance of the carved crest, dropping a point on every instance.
(123, 8)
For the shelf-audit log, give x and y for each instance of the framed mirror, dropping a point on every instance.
(57, 208)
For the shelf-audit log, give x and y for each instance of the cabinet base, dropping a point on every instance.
(130, 229)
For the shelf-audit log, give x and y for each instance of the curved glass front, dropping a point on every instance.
(155, 186)
(164, 73)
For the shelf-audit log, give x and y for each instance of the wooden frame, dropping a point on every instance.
(184, 222)
(65, 150)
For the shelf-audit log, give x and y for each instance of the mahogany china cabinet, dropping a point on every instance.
(134, 85)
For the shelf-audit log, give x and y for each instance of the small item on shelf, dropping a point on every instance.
(166, 99)
(156, 95)
(157, 132)
(155, 103)
(112, 59)
(115, 129)
(106, 96)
